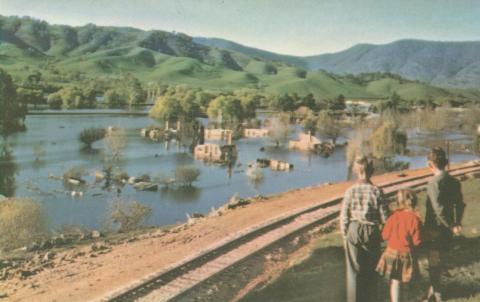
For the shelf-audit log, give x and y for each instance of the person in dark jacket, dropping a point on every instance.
(364, 209)
(443, 217)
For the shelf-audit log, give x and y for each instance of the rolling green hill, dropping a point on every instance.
(65, 54)
(446, 64)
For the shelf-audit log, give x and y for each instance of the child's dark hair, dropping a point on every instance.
(364, 166)
(407, 199)
(438, 157)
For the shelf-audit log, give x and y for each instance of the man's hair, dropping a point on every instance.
(438, 157)
(364, 166)
(407, 199)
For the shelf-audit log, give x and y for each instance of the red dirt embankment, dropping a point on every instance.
(86, 273)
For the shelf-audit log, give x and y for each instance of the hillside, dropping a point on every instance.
(453, 64)
(66, 54)
(449, 64)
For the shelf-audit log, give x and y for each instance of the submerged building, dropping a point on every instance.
(251, 133)
(215, 152)
(308, 142)
(218, 134)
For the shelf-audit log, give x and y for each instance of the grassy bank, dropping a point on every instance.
(321, 276)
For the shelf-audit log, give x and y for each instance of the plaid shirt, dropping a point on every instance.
(363, 202)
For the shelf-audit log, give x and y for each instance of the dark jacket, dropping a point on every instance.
(444, 206)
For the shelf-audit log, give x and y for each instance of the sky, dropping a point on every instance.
(297, 27)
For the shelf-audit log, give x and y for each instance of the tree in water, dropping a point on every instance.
(387, 139)
(328, 126)
(383, 142)
(115, 141)
(309, 123)
(279, 128)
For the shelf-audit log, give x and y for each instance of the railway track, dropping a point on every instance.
(180, 277)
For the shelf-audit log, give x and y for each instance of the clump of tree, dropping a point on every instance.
(90, 135)
(22, 222)
(329, 126)
(279, 128)
(73, 97)
(309, 123)
(113, 99)
(186, 175)
(31, 96)
(129, 215)
(337, 104)
(431, 120)
(55, 101)
(382, 142)
(127, 91)
(387, 139)
(12, 110)
(176, 103)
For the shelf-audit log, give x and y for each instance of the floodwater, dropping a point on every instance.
(58, 137)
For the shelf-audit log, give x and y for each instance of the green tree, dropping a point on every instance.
(309, 101)
(91, 135)
(338, 103)
(166, 108)
(310, 123)
(387, 139)
(226, 108)
(12, 112)
(54, 101)
(113, 99)
(136, 94)
(392, 104)
(30, 96)
(284, 103)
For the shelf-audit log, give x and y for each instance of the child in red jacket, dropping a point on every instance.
(402, 231)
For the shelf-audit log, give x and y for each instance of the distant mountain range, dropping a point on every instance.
(65, 53)
(450, 64)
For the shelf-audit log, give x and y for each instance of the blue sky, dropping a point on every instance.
(299, 27)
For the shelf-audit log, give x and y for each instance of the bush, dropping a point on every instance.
(55, 101)
(116, 141)
(91, 135)
(21, 222)
(129, 216)
(186, 175)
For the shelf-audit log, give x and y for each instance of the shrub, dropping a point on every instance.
(129, 216)
(186, 175)
(116, 140)
(55, 101)
(91, 135)
(21, 222)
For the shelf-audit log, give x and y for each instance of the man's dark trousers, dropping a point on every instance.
(362, 249)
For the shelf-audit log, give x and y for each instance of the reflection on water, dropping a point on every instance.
(58, 135)
(181, 194)
(8, 168)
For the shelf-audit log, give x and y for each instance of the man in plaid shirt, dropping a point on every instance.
(363, 210)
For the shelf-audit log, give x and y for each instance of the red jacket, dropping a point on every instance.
(403, 231)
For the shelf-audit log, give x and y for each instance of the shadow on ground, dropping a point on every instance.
(321, 277)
